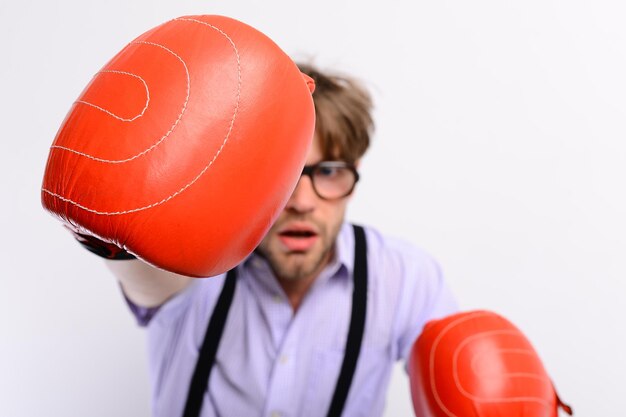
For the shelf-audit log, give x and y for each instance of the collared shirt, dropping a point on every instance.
(274, 363)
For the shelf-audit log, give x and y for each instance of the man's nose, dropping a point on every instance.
(303, 199)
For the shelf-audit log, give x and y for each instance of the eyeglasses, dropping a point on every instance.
(332, 180)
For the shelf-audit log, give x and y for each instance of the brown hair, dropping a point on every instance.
(343, 115)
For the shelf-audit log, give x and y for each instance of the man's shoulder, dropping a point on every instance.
(393, 259)
(391, 245)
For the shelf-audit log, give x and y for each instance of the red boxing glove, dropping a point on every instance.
(478, 364)
(185, 147)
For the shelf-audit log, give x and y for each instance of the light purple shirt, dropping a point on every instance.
(272, 362)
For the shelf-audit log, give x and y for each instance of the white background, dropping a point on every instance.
(500, 149)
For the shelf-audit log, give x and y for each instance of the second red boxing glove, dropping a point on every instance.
(478, 364)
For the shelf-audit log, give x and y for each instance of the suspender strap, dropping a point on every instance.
(213, 335)
(211, 342)
(357, 325)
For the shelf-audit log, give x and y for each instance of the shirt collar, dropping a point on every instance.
(344, 249)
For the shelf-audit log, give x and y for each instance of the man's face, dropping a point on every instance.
(301, 242)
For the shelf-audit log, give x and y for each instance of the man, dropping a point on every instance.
(290, 324)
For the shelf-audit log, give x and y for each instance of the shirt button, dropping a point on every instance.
(277, 298)
(275, 414)
(283, 359)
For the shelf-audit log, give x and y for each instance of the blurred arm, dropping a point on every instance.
(144, 284)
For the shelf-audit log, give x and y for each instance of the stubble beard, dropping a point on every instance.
(297, 266)
(294, 266)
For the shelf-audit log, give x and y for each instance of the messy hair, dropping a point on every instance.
(343, 109)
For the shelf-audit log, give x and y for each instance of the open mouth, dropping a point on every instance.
(298, 233)
(298, 239)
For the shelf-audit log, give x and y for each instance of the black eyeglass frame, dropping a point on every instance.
(309, 170)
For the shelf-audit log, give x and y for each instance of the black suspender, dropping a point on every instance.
(213, 335)
(357, 324)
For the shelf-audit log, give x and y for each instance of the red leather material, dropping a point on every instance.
(478, 364)
(185, 147)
